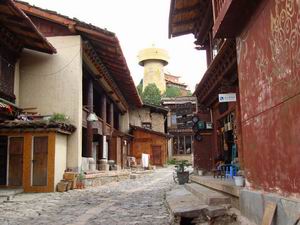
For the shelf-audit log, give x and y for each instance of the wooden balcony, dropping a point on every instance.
(221, 71)
(231, 16)
(97, 126)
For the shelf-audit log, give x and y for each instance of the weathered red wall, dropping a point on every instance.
(269, 77)
(203, 152)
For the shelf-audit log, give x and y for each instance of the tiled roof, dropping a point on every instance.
(15, 21)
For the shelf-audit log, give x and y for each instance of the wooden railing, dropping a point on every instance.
(96, 125)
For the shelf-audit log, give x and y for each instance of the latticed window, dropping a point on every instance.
(7, 69)
(147, 125)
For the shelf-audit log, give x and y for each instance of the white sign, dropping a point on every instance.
(228, 97)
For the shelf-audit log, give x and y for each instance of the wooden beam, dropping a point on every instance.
(98, 34)
(47, 15)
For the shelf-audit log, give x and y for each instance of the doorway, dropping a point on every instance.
(40, 161)
(156, 153)
(3, 159)
(15, 168)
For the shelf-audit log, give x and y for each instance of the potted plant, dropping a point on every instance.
(182, 174)
(80, 183)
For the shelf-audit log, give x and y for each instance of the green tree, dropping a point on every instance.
(189, 93)
(151, 95)
(172, 92)
(140, 88)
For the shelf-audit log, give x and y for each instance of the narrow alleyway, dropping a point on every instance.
(139, 201)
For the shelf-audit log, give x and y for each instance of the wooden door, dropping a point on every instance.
(3, 159)
(40, 161)
(156, 154)
(15, 173)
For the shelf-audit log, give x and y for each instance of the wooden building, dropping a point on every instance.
(148, 127)
(29, 152)
(86, 81)
(102, 80)
(180, 126)
(252, 50)
(150, 142)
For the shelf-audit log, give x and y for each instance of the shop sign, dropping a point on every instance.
(228, 97)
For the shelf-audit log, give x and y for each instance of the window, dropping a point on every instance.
(173, 120)
(40, 161)
(7, 79)
(147, 125)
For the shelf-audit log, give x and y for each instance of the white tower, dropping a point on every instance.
(153, 60)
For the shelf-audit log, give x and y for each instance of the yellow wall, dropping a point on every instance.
(154, 59)
(154, 73)
(53, 84)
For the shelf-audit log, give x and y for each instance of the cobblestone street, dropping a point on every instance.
(132, 201)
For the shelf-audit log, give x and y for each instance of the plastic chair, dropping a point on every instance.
(230, 170)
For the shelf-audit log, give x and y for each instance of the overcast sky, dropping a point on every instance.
(138, 24)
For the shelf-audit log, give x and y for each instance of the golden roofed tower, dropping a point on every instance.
(153, 60)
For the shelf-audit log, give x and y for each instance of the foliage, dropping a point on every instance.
(172, 92)
(59, 117)
(140, 88)
(171, 162)
(182, 165)
(151, 95)
(81, 175)
(189, 93)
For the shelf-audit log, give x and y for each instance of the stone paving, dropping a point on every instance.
(132, 201)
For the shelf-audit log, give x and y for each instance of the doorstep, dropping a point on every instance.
(7, 194)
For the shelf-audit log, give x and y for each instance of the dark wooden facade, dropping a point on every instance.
(221, 77)
(266, 34)
(17, 32)
(150, 142)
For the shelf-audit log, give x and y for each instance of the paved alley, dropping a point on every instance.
(139, 201)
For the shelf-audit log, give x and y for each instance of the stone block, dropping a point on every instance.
(215, 211)
(209, 196)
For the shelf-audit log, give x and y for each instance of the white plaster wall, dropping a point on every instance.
(60, 157)
(124, 122)
(17, 82)
(170, 148)
(53, 84)
(137, 116)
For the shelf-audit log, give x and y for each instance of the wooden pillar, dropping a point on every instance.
(89, 135)
(209, 50)
(184, 145)
(238, 122)
(111, 114)
(103, 113)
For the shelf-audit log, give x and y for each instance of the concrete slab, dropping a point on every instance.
(253, 204)
(184, 204)
(224, 185)
(208, 196)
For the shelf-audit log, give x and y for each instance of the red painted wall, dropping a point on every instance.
(203, 153)
(269, 79)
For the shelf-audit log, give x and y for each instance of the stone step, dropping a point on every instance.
(208, 196)
(183, 203)
(8, 194)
